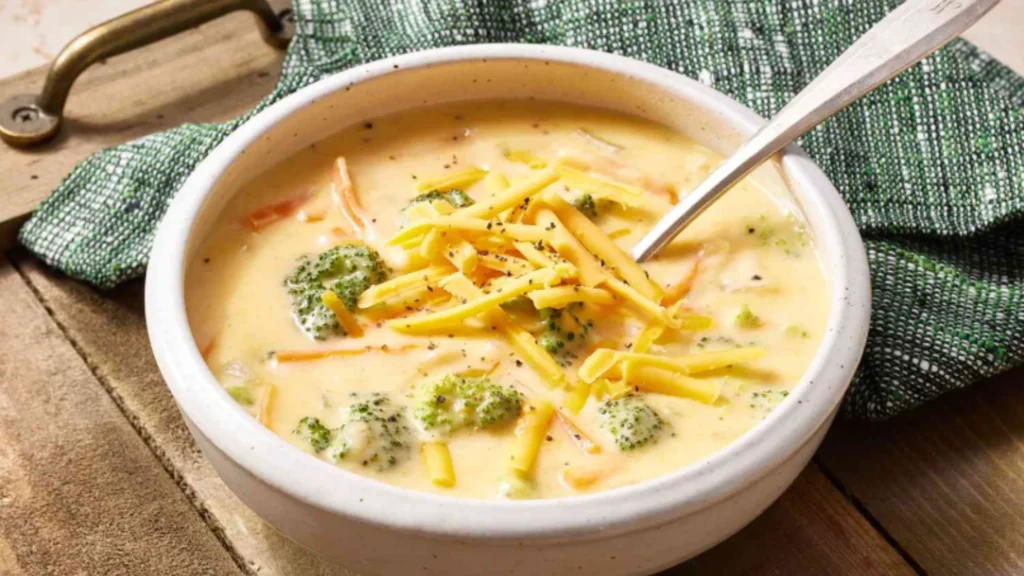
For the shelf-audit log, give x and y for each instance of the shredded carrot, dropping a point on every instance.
(343, 207)
(208, 348)
(287, 356)
(357, 209)
(681, 288)
(267, 215)
(348, 202)
(582, 441)
(342, 233)
(341, 312)
(341, 192)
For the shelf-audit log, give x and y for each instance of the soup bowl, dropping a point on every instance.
(375, 528)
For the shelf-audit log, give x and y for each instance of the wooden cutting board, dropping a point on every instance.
(208, 74)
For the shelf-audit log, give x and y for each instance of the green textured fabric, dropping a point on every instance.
(932, 164)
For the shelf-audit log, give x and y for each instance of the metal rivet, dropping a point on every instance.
(25, 114)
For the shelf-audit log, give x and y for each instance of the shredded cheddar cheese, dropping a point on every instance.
(651, 379)
(519, 232)
(504, 263)
(562, 296)
(439, 464)
(600, 187)
(526, 157)
(458, 180)
(533, 281)
(508, 198)
(648, 308)
(495, 182)
(602, 247)
(519, 339)
(462, 255)
(385, 290)
(530, 432)
(535, 255)
(602, 360)
(647, 337)
(571, 249)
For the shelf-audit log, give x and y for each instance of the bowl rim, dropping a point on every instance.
(603, 514)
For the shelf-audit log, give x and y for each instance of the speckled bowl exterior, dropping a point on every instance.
(374, 528)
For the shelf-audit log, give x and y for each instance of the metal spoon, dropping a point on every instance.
(900, 40)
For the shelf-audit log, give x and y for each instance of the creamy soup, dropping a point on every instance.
(442, 300)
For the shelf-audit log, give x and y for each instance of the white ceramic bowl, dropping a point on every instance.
(375, 528)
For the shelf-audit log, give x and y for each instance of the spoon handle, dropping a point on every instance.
(901, 39)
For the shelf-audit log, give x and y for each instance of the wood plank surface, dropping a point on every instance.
(80, 493)
(811, 530)
(946, 480)
(210, 74)
(109, 331)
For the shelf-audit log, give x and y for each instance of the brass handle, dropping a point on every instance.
(26, 119)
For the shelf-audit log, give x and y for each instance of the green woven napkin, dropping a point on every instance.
(932, 164)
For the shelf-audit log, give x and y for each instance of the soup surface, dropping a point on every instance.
(442, 300)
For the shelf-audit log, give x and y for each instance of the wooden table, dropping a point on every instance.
(98, 474)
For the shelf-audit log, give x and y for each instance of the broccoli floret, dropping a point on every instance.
(564, 331)
(552, 341)
(373, 431)
(797, 331)
(454, 402)
(586, 204)
(241, 394)
(522, 310)
(311, 430)
(767, 399)
(747, 319)
(519, 305)
(348, 270)
(457, 198)
(630, 421)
